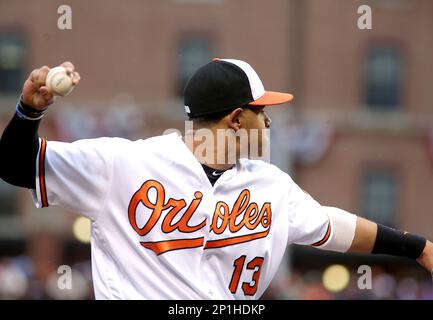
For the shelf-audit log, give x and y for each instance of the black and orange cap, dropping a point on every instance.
(223, 84)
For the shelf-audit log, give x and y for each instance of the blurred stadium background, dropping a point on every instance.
(359, 134)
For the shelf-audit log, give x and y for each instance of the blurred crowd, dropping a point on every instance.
(22, 277)
(385, 286)
(46, 270)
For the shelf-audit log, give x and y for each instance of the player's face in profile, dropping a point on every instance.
(257, 119)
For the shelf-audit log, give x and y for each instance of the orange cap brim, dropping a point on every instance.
(271, 98)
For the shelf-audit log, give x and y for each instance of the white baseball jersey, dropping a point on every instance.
(160, 230)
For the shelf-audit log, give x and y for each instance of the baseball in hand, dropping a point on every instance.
(59, 82)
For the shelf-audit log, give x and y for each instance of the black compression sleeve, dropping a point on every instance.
(398, 243)
(19, 146)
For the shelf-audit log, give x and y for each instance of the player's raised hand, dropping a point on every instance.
(35, 92)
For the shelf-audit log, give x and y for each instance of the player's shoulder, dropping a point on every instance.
(117, 143)
(163, 144)
(269, 173)
(260, 167)
(98, 144)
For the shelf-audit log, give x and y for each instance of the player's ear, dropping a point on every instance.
(234, 119)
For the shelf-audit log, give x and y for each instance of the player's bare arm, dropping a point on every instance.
(426, 258)
(365, 236)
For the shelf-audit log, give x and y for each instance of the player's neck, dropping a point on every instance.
(210, 154)
(216, 166)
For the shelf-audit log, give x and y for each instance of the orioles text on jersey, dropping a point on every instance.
(223, 218)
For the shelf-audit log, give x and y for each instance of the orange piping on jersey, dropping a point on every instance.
(325, 238)
(42, 187)
(212, 244)
(169, 245)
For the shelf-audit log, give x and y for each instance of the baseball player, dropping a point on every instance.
(171, 223)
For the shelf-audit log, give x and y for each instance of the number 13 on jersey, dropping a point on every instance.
(249, 288)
